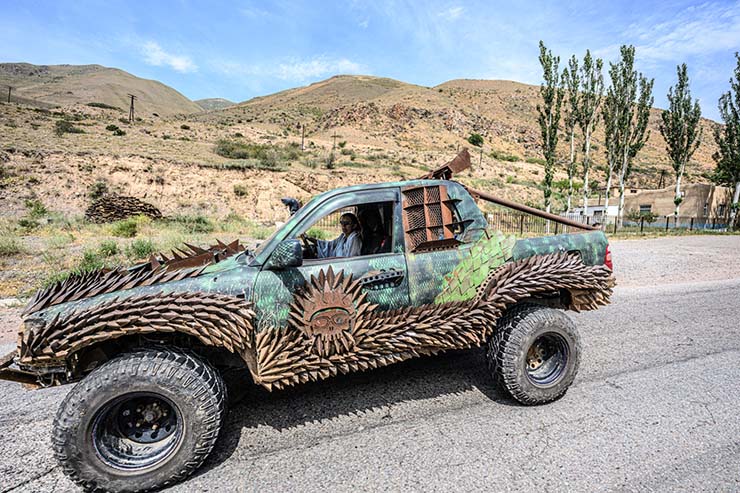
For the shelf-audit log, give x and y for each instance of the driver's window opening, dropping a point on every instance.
(364, 229)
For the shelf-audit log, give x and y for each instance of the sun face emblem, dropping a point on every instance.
(325, 311)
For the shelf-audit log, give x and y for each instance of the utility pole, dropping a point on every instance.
(662, 175)
(303, 135)
(131, 108)
(9, 89)
(334, 145)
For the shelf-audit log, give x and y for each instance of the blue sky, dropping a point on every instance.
(241, 49)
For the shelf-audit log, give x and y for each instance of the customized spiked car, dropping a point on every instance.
(147, 344)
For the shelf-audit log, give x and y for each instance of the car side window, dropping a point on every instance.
(351, 230)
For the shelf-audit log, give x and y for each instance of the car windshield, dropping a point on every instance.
(280, 227)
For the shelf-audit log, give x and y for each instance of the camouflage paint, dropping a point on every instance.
(486, 255)
(591, 245)
(275, 289)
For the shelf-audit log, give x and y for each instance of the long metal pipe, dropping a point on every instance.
(529, 210)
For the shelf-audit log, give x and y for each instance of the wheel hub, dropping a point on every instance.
(137, 431)
(547, 359)
(535, 357)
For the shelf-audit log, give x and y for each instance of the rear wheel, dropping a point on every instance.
(534, 354)
(141, 421)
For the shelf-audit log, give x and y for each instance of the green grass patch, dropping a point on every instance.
(194, 224)
(126, 228)
(9, 246)
(139, 249)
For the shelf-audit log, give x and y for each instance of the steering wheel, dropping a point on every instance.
(310, 244)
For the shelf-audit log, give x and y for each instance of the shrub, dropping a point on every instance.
(108, 248)
(97, 190)
(240, 190)
(185, 127)
(36, 208)
(111, 128)
(140, 248)
(118, 132)
(9, 245)
(536, 160)
(28, 224)
(125, 229)
(91, 261)
(166, 137)
(195, 224)
(62, 127)
(475, 139)
(238, 134)
(268, 156)
(318, 233)
(104, 106)
(342, 144)
(502, 156)
(330, 161)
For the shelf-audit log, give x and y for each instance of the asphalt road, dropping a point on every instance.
(655, 407)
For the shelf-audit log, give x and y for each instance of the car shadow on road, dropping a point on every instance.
(425, 378)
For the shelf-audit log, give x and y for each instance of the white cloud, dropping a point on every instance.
(452, 13)
(294, 69)
(697, 30)
(364, 24)
(302, 70)
(155, 55)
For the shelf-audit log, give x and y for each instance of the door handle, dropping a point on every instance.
(382, 279)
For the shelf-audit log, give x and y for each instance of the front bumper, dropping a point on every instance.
(10, 371)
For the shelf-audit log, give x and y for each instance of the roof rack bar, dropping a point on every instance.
(529, 210)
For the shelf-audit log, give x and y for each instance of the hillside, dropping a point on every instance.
(370, 129)
(382, 111)
(210, 104)
(63, 85)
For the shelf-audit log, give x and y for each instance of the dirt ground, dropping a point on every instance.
(646, 262)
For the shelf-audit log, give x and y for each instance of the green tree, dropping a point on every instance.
(549, 115)
(629, 100)
(727, 137)
(475, 139)
(680, 128)
(572, 82)
(592, 88)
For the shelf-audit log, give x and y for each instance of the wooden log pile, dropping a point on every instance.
(116, 207)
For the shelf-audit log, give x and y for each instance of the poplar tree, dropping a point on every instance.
(552, 92)
(631, 97)
(571, 80)
(680, 129)
(592, 89)
(727, 137)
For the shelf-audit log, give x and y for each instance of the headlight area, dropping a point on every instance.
(30, 374)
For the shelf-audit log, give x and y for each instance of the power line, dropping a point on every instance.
(131, 108)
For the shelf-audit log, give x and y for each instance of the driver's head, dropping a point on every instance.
(349, 223)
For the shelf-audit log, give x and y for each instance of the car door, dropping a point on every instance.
(382, 277)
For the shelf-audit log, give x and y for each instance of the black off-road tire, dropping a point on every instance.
(527, 328)
(191, 388)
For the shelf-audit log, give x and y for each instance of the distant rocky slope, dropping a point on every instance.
(69, 84)
(211, 104)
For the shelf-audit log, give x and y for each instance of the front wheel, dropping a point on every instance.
(141, 421)
(534, 354)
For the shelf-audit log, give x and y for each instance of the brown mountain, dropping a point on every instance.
(64, 85)
(211, 104)
(417, 117)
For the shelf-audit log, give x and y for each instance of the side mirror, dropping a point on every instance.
(287, 253)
